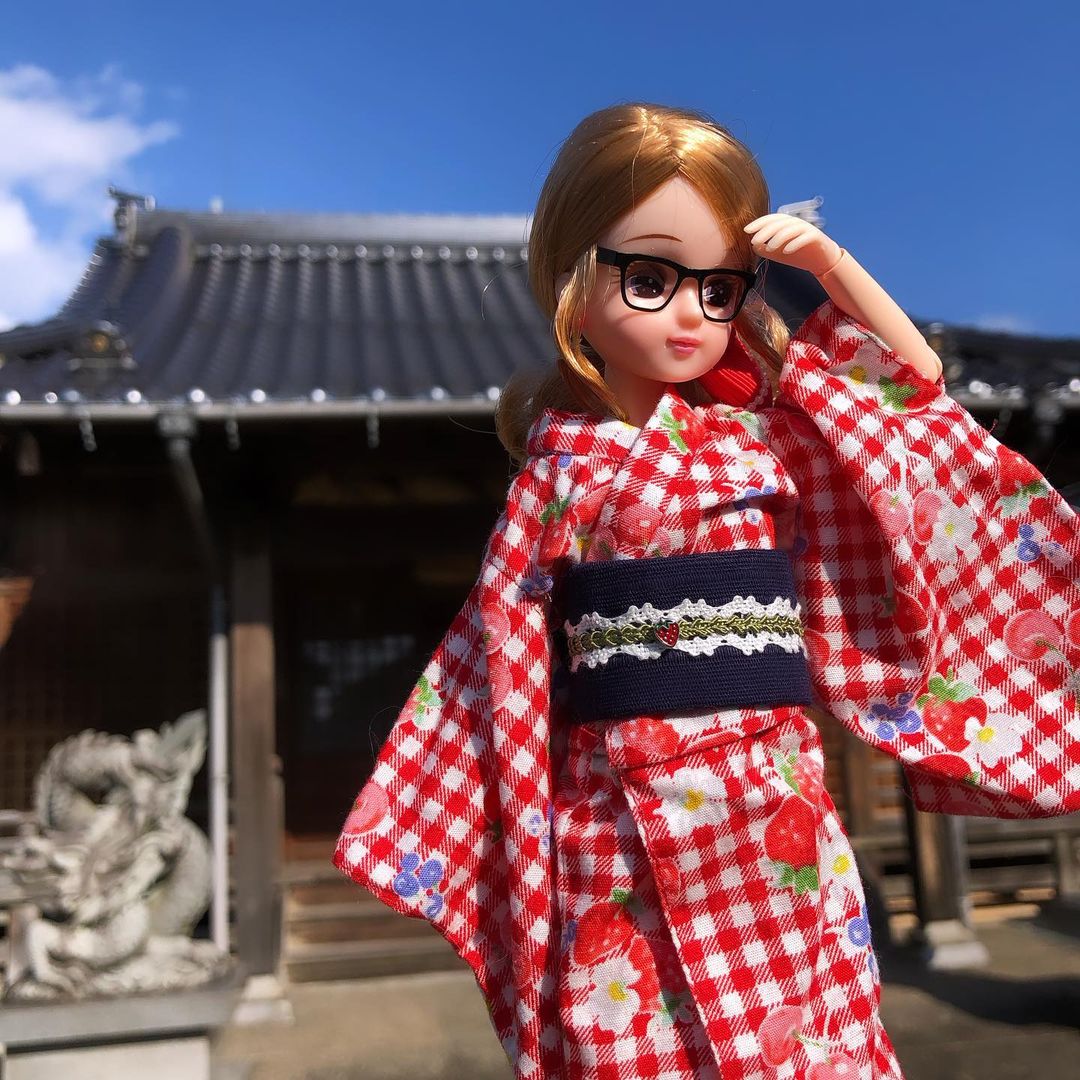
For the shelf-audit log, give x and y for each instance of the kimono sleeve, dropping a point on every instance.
(427, 831)
(939, 573)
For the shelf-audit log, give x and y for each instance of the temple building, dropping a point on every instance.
(250, 466)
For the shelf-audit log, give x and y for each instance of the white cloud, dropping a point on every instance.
(1005, 323)
(61, 145)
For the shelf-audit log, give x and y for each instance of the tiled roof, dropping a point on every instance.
(310, 314)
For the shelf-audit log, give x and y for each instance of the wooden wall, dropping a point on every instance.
(114, 637)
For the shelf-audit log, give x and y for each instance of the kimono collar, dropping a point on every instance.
(593, 436)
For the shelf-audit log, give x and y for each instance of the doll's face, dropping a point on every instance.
(677, 343)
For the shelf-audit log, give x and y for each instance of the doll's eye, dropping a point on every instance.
(648, 281)
(719, 292)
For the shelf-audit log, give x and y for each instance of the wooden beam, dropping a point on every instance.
(256, 767)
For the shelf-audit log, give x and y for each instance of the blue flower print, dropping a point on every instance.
(568, 935)
(858, 932)
(754, 516)
(1028, 548)
(888, 721)
(416, 879)
(539, 825)
(537, 584)
(564, 460)
(859, 929)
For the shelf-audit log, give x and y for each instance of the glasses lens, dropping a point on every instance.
(647, 285)
(722, 294)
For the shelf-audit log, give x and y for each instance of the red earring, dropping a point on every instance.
(738, 379)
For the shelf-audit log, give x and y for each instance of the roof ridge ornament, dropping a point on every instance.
(128, 205)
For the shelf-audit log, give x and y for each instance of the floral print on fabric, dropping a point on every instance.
(888, 722)
(934, 630)
(419, 880)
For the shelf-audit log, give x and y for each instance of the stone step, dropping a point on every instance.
(317, 961)
(309, 872)
(333, 929)
(328, 892)
(315, 848)
(369, 921)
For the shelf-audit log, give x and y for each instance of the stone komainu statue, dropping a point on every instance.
(111, 875)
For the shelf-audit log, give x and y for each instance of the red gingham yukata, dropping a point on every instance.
(674, 896)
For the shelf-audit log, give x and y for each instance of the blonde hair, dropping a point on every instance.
(611, 161)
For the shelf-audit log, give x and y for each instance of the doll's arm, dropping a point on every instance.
(795, 242)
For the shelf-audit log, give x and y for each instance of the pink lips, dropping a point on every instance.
(684, 346)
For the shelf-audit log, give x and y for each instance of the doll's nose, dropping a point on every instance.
(687, 303)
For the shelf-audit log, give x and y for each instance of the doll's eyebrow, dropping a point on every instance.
(652, 236)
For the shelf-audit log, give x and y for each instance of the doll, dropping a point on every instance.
(606, 789)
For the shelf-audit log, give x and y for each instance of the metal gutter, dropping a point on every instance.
(115, 412)
(178, 432)
(283, 410)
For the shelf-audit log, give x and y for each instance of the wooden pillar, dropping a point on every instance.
(1067, 859)
(858, 758)
(939, 876)
(860, 798)
(257, 798)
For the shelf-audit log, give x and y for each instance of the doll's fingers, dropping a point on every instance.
(762, 237)
(757, 223)
(784, 235)
(766, 219)
(799, 243)
(778, 242)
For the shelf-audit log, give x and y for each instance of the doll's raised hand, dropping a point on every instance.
(794, 242)
(790, 240)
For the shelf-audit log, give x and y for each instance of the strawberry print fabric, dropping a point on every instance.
(673, 896)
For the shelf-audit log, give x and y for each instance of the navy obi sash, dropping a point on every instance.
(683, 633)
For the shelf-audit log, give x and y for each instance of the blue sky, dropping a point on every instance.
(946, 143)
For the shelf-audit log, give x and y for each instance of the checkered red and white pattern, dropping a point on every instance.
(673, 896)
(916, 574)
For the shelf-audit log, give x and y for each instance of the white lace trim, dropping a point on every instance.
(705, 646)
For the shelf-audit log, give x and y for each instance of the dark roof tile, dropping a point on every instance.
(253, 310)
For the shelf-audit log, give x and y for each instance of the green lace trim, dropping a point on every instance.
(741, 624)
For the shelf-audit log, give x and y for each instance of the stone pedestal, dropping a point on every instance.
(163, 1059)
(950, 945)
(158, 1036)
(264, 1001)
(939, 872)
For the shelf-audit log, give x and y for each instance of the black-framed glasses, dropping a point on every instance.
(649, 282)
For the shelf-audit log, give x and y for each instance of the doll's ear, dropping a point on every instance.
(738, 379)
